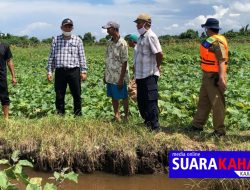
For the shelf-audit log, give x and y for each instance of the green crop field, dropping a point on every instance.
(34, 96)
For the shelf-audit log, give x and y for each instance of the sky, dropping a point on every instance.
(43, 18)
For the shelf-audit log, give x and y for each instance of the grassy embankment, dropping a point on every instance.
(92, 142)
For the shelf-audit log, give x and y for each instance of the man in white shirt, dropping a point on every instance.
(148, 59)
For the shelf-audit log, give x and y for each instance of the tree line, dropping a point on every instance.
(88, 38)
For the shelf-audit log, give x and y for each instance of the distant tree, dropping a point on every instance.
(203, 35)
(88, 38)
(108, 37)
(47, 40)
(189, 34)
(165, 37)
(246, 29)
(2, 35)
(231, 34)
(34, 40)
(103, 40)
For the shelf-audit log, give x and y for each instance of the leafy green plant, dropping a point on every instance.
(15, 172)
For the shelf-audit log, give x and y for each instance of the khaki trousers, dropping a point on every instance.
(210, 98)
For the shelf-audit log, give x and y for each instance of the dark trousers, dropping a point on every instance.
(64, 76)
(147, 99)
(4, 94)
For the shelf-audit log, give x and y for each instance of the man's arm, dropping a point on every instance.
(12, 70)
(51, 61)
(222, 76)
(159, 58)
(123, 72)
(220, 53)
(82, 60)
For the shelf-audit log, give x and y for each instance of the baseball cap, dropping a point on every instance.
(67, 21)
(143, 16)
(132, 37)
(111, 24)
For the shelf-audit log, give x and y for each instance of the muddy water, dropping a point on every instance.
(103, 181)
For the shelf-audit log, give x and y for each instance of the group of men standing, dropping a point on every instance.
(67, 59)
(147, 60)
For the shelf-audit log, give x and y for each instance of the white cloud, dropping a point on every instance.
(34, 27)
(168, 16)
(234, 15)
(241, 7)
(205, 2)
(220, 11)
(171, 27)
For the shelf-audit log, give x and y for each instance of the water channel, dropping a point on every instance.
(104, 181)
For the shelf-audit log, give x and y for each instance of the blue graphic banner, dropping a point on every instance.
(209, 164)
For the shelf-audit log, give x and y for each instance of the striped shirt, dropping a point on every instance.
(66, 54)
(145, 59)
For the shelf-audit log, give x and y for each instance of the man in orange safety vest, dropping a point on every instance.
(214, 60)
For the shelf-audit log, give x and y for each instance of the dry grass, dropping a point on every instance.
(57, 142)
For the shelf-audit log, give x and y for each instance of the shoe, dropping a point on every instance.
(217, 134)
(193, 128)
(148, 124)
(157, 129)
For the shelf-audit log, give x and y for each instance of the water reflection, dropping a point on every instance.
(104, 181)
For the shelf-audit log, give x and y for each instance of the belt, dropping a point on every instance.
(66, 68)
(210, 74)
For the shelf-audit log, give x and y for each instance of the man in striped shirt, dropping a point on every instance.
(148, 59)
(67, 58)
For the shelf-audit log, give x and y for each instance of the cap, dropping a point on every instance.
(144, 17)
(111, 24)
(67, 21)
(132, 37)
(211, 23)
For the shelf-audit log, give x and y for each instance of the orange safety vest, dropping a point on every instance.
(209, 62)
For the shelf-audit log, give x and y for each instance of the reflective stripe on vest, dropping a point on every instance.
(209, 62)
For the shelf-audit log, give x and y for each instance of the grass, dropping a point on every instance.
(88, 145)
(221, 184)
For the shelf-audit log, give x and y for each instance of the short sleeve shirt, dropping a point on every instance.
(145, 59)
(5, 54)
(116, 56)
(219, 50)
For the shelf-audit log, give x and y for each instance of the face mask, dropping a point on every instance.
(67, 34)
(142, 30)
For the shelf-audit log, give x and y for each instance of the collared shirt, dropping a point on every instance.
(219, 51)
(116, 56)
(145, 59)
(67, 54)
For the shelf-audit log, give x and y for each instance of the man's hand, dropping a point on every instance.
(120, 84)
(159, 68)
(14, 81)
(83, 76)
(222, 84)
(49, 77)
(104, 80)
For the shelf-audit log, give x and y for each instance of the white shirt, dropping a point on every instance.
(145, 59)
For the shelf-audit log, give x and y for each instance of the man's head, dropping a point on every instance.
(67, 26)
(132, 40)
(112, 27)
(211, 26)
(143, 20)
